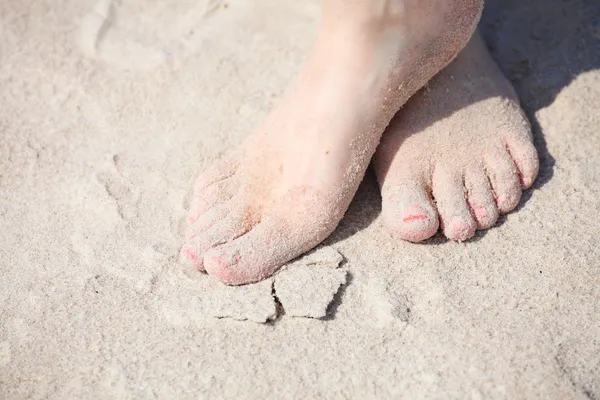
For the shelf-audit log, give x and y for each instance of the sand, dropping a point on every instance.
(109, 109)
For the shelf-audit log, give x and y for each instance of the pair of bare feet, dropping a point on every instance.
(457, 154)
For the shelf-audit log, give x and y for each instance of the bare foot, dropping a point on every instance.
(458, 154)
(294, 177)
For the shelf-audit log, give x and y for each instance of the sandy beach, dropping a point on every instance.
(109, 109)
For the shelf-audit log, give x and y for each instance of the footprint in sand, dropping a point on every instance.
(385, 305)
(122, 191)
(141, 36)
(115, 49)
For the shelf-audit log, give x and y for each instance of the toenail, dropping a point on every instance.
(502, 200)
(192, 219)
(506, 202)
(413, 217)
(414, 213)
(231, 261)
(190, 254)
(458, 228)
(220, 262)
(481, 213)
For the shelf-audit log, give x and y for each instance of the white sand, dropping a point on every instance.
(107, 112)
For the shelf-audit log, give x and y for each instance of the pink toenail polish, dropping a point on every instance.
(190, 254)
(231, 261)
(192, 219)
(414, 218)
(414, 213)
(502, 200)
(481, 213)
(460, 228)
(220, 262)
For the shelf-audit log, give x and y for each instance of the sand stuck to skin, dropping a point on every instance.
(109, 109)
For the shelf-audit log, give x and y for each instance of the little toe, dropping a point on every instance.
(212, 196)
(260, 252)
(504, 178)
(217, 172)
(408, 210)
(525, 157)
(455, 216)
(481, 198)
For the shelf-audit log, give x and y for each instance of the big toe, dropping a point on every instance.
(261, 252)
(408, 210)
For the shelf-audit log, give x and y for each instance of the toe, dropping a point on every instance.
(408, 210)
(224, 229)
(504, 178)
(201, 223)
(212, 196)
(480, 198)
(217, 172)
(455, 216)
(262, 251)
(525, 157)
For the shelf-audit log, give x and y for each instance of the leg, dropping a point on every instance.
(458, 154)
(294, 177)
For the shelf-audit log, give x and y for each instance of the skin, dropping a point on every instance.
(292, 180)
(458, 154)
